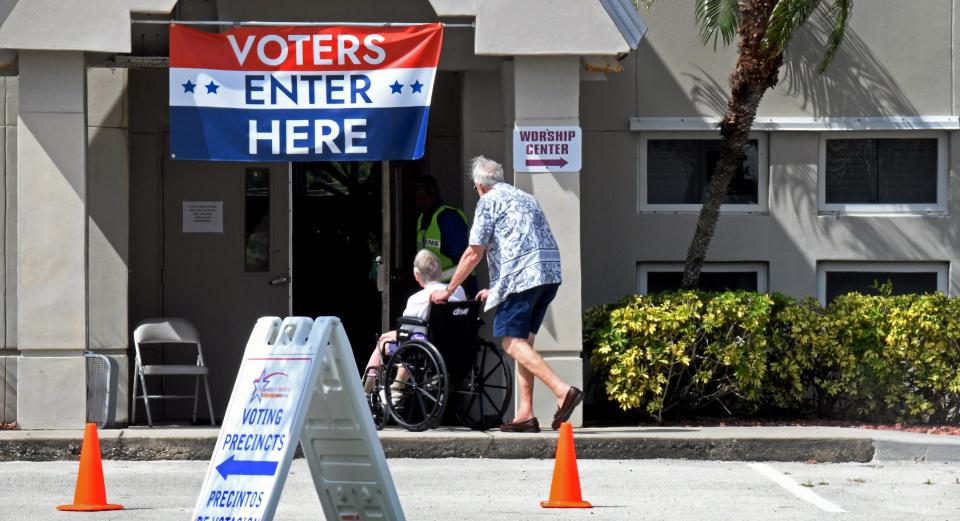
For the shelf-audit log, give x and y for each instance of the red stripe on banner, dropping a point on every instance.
(351, 48)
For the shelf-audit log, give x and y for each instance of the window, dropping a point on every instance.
(257, 220)
(839, 278)
(902, 172)
(715, 276)
(676, 167)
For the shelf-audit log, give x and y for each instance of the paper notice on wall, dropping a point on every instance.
(203, 217)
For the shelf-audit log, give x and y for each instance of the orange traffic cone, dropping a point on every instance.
(565, 490)
(90, 495)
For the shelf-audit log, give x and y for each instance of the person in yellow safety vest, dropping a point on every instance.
(441, 229)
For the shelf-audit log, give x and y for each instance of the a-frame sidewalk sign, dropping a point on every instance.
(298, 383)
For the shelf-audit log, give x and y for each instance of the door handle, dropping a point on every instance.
(282, 280)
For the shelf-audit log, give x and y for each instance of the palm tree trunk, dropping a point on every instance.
(755, 72)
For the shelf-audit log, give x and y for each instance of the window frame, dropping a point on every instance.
(941, 268)
(763, 172)
(940, 207)
(762, 269)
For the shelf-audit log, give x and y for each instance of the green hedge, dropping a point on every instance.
(884, 358)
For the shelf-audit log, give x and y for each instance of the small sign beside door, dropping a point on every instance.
(203, 217)
(547, 149)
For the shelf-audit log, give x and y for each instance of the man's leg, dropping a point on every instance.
(524, 386)
(530, 364)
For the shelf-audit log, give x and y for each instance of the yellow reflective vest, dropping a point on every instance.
(430, 239)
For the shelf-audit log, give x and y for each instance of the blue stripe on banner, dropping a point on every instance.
(220, 134)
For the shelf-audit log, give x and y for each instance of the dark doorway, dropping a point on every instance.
(337, 232)
(443, 161)
(403, 229)
(341, 211)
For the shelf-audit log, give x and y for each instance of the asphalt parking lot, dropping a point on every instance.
(489, 489)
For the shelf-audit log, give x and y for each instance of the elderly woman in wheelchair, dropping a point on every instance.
(436, 356)
(426, 271)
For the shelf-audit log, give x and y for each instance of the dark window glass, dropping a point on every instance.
(658, 281)
(257, 220)
(678, 171)
(335, 178)
(891, 171)
(843, 282)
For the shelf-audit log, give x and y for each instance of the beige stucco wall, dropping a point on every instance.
(880, 71)
(108, 225)
(108, 172)
(8, 234)
(538, 27)
(895, 60)
(791, 237)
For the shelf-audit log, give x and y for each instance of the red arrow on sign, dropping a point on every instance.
(547, 162)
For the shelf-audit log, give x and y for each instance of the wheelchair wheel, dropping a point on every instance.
(414, 382)
(373, 398)
(377, 410)
(484, 395)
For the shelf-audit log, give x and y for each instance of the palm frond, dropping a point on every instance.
(787, 16)
(718, 20)
(839, 11)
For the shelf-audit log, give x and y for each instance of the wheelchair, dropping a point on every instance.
(439, 362)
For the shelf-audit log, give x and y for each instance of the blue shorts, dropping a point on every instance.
(522, 313)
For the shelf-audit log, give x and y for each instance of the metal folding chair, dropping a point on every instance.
(173, 331)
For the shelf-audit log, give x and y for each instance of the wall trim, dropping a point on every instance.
(801, 124)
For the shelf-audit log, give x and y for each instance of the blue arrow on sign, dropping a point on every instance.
(237, 467)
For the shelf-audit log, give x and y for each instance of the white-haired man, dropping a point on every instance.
(524, 263)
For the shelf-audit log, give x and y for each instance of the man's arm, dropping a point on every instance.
(468, 261)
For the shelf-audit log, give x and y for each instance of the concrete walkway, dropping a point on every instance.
(823, 444)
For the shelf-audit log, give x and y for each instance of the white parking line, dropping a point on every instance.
(803, 493)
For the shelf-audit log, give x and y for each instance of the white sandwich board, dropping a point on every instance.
(298, 383)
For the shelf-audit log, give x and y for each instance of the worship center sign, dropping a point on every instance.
(303, 93)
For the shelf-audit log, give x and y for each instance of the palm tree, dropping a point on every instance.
(763, 29)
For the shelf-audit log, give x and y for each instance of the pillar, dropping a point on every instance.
(108, 218)
(52, 227)
(547, 92)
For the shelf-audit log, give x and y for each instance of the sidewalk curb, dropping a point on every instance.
(783, 443)
(823, 450)
(735, 449)
(886, 450)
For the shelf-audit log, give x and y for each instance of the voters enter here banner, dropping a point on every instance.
(350, 93)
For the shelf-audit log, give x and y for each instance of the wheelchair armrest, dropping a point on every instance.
(410, 321)
(408, 327)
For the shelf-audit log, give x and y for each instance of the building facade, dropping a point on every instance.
(849, 177)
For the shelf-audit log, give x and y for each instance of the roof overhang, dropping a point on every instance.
(58, 25)
(549, 27)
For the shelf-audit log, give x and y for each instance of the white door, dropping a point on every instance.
(225, 259)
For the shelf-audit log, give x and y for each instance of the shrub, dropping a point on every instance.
(681, 350)
(877, 357)
(807, 365)
(915, 376)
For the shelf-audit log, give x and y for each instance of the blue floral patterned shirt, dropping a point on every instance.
(521, 250)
